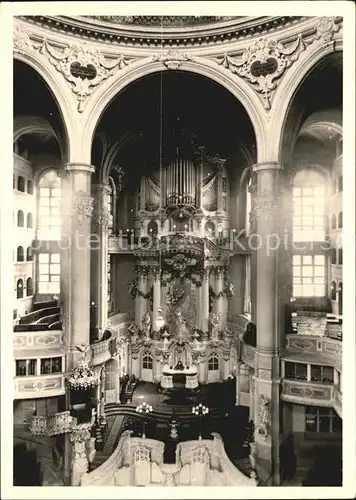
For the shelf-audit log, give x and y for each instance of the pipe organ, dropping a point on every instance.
(180, 180)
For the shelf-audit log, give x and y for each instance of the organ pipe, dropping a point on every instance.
(180, 182)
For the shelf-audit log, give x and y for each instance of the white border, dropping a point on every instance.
(307, 8)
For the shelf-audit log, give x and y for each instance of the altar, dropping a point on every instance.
(178, 378)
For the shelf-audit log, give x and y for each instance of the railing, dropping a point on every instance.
(57, 423)
(47, 338)
(307, 393)
(328, 348)
(104, 475)
(233, 476)
(102, 351)
(39, 386)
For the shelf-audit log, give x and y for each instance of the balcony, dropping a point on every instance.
(306, 393)
(38, 339)
(102, 350)
(39, 386)
(51, 424)
(310, 349)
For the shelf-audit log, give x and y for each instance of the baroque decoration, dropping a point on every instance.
(82, 206)
(84, 67)
(82, 376)
(263, 63)
(263, 428)
(172, 59)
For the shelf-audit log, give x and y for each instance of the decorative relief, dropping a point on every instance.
(264, 62)
(172, 59)
(264, 206)
(21, 39)
(82, 206)
(326, 27)
(82, 66)
(102, 217)
(264, 374)
(264, 416)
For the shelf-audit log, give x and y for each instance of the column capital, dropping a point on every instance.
(79, 167)
(101, 187)
(267, 165)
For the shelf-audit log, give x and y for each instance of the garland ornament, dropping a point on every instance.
(82, 66)
(264, 62)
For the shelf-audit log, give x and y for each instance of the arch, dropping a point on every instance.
(209, 229)
(214, 362)
(147, 361)
(27, 124)
(152, 228)
(61, 94)
(21, 184)
(285, 92)
(20, 219)
(19, 289)
(20, 254)
(29, 222)
(240, 89)
(29, 287)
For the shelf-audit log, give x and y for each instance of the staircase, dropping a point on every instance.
(113, 434)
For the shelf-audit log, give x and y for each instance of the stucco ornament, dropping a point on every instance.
(326, 27)
(21, 39)
(84, 67)
(82, 206)
(263, 428)
(172, 59)
(263, 63)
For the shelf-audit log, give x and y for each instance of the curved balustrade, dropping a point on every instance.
(39, 386)
(102, 350)
(46, 338)
(314, 349)
(51, 425)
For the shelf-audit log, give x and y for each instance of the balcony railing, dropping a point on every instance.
(41, 339)
(327, 349)
(39, 386)
(102, 351)
(307, 393)
(58, 423)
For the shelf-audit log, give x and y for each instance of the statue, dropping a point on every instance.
(133, 331)
(146, 325)
(215, 322)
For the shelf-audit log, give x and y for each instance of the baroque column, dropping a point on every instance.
(266, 219)
(99, 254)
(140, 302)
(219, 301)
(156, 297)
(77, 208)
(205, 302)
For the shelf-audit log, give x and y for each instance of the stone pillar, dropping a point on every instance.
(77, 208)
(80, 463)
(237, 385)
(156, 298)
(205, 302)
(99, 255)
(267, 397)
(140, 302)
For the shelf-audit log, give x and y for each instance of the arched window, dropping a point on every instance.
(20, 219)
(333, 255)
(29, 254)
(152, 228)
(333, 290)
(333, 221)
(213, 362)
(209, 229)
(49, 206)
(30, 187)
(340, 220)
(29, 287)
(20, 254)
(19, 289)
(309, 206)
(29, 220)
(340, 256)
(21, 184)
(147, 361)
(309, 275)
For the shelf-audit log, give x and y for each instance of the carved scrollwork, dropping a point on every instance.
(82, 206)
(21, 39)
(264, 417)
(172, 59)
(102, 217)
(263, 206)
(82, 66)
(264, 62)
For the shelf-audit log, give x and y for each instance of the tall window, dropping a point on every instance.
(340, 220)
(213, 362)
(20, 254)
(49, 206)
(49, 273)
(308, 275)
(308, 207)
(21, 184)
(147, 361)
(20, 218)
(333, 255)
(29, 220)
(340, 257)
(30, 187)
(19, 289)
(29, 287)
(29, 254)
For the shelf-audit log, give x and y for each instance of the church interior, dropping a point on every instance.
(177, 264)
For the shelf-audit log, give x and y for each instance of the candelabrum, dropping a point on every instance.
(200, 410)
(144, 409)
